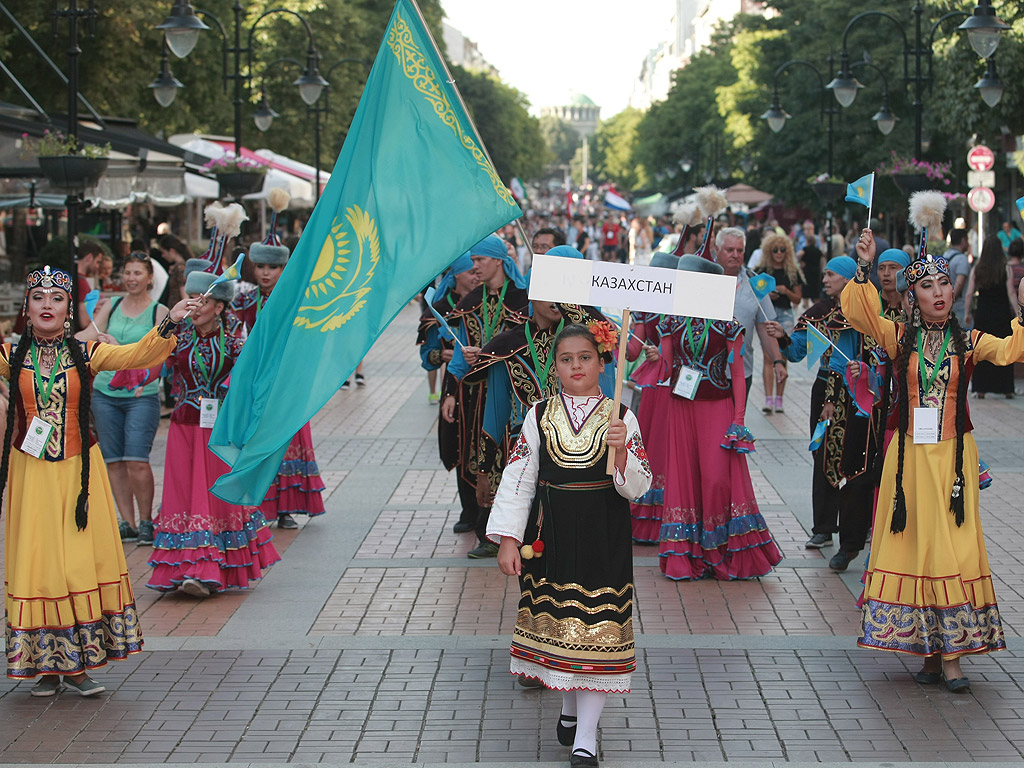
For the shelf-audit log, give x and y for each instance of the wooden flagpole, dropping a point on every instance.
(620, 375)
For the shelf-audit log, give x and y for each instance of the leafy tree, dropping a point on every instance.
(512, 136)
(561, 138)
(611, 152)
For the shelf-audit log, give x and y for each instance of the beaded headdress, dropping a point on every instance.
(926, 211)
(50, 278)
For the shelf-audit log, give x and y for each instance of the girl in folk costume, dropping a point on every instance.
(928, 588)
(564, 529)
(711, 525)
(204, 544)
(297, 488)
(69, 603)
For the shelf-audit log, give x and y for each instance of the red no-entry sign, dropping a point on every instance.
(980, 158)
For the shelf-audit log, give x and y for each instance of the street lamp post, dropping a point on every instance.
(265, 114)
(983, 31)
(181, 32)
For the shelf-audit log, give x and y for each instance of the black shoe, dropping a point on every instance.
(957, 684)
(487, 549)
(580, 757)
(819, 540)
(461, 527)
(841, 560)
(346, 386)
(566, 733)
(286, 522)
(927, 678)
(531, 682)
(360, 380)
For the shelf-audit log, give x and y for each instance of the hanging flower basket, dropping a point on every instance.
(829, 192)
(240, 183)
(72, 172)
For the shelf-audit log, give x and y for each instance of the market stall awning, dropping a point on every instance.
(744, 193)
(278, 174)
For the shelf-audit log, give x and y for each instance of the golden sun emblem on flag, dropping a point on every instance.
(342, 274)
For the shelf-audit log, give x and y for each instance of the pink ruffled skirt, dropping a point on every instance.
(297, 489)
(198, 536)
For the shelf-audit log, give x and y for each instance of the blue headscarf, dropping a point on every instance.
(843, 266)
(462, 264)
(896, 256)
(566, 252)
(494, 247)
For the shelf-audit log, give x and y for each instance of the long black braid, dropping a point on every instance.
(17, 363)
(84, 409)
(956, 499)
(908, 346)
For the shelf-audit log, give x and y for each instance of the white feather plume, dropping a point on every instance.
(687, 214)
(208, 217)
(278, 199)
(229, 220)
(927, 209)
(711, 200)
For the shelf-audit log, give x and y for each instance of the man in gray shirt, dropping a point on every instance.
(959, 269)
(729, 246)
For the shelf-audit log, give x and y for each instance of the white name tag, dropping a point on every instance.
(208, 407)
(687, 383)
(37, 437)
(926, 426)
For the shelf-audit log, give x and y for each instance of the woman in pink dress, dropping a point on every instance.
(711, 525)
(203, 544)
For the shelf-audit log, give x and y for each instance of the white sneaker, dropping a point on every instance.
(195, 588)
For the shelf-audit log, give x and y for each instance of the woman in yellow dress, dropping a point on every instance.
(928, 588)
(69, 603)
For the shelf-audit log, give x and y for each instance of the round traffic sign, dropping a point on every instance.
(981, 199)
(980, 158)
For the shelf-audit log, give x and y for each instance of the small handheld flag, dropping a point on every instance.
(91, 299)
(817, 343)
(231, 273)
(762, 285)
(863, 387)
(862, 192)
(428, 296)
(819, 435)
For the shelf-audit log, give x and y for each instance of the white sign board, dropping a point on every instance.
(981, 178)
(981, 199)
(639, 289)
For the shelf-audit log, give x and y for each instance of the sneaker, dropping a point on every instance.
(485, 550)
(462, 527)
(195, 587)
(48, 685)
(819, 540)
(841, 560)
(434, 398)
(127, 532)
(286, 522)
(86, 687)
(778, 404)
(346, 386)
(769, 406)
(146, 532)
(360, 380)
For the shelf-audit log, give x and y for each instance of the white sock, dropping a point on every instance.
(589, 705)
(569, 708)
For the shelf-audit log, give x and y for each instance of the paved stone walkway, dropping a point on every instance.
(376, 641)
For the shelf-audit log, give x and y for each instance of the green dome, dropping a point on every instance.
(580, 100)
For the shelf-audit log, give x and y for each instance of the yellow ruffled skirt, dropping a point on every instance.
(928, 589)
(70, 606)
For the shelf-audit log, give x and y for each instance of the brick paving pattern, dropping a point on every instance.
(376, 641)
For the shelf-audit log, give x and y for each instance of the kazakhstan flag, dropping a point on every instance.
(411, 191)
(861, 191)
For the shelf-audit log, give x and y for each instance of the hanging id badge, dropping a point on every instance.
(926, 426)
(208, 407)
(687, 383)
(36, 438)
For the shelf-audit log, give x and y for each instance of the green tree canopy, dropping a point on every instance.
(561, 138)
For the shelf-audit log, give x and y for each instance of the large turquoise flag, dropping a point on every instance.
(411, 191)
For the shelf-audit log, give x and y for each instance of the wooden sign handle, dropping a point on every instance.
(620, 374)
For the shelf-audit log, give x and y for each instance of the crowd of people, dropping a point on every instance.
(74, 501)
(554, 482)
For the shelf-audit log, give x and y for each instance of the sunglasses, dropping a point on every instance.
(781, 249)
(137, 256)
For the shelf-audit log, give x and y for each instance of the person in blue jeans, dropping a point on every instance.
(127, 417)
